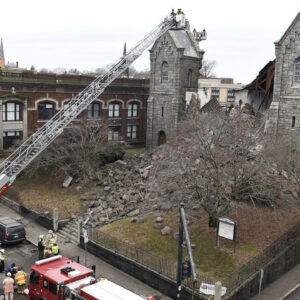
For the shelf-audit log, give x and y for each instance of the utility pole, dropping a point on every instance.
(186, 269)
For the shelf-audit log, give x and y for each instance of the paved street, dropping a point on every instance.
(24, 254)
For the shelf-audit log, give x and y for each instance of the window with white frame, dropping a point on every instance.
(132, 110)
(94, 110)
(132, 132)
(296, 73)
(114, 110)
(114, 133)
(11, 111)
(230, 95)
(45, 111)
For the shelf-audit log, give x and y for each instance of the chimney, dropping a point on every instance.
(17, 64)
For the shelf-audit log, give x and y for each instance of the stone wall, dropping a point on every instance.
(286, 99)
(166, 102)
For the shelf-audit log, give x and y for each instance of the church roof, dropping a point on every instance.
(297, 18)
(182, 39)
(1, 50)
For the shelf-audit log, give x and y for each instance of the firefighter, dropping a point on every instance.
(55, 249)
(20, 279)
(51, 236)
(2, 258)
(8, 287)
(41, 247)
(47, 252)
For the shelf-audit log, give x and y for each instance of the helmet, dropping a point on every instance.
(52, 241)
(8, 274)
(2, 250)
(50, 231)
(41, 236)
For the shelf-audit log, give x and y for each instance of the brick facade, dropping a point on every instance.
(283, 117)
(167, 99)
(28, 90)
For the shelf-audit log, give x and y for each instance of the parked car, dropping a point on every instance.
(11, 231)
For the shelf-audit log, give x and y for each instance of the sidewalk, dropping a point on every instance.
(103, 269)
(281, 286)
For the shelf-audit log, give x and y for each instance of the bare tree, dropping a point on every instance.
(207, 69)
(216, 161)
(80, 150)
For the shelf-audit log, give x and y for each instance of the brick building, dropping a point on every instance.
(283, 117)
(28, 99)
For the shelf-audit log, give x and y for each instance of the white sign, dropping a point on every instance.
(226, 228)
(85, 235)
(209, 289)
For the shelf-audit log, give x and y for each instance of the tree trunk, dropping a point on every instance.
(213, 221)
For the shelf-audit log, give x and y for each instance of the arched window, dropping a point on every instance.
(11, 111)
(132, 110)
(94, 110)
(45, 110)
(114, 110)
(164, 72)
(189, 78)
(296, 73)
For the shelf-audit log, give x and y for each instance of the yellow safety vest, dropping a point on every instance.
(20, 278)
(54, 250)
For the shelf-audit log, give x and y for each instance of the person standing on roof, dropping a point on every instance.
(41, 247)
(8, 287)
(20, 279)
(180, 19)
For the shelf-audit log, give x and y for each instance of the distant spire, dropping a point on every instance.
(126, 72)
(124, 51)
(1, 50)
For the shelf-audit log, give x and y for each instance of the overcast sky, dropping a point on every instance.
(90, 34)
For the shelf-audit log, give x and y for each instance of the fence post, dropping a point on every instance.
(55, 219)
(79, 231)
(218, 290)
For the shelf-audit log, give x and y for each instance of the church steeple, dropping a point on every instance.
(126, 72)
(2, 58)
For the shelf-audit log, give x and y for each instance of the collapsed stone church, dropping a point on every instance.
(283, 117)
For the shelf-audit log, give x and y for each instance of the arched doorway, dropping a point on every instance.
(162, 138)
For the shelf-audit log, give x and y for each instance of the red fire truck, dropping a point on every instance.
(60, 278)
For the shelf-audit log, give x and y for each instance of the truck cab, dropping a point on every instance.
(60, 278)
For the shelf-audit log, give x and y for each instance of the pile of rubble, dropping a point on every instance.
(122, 191)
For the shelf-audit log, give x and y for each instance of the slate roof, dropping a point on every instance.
(182, 39)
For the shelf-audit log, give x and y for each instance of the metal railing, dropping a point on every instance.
(169, 268)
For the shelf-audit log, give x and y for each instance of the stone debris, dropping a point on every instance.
(166, 230)
(67, 182)
(121, 191)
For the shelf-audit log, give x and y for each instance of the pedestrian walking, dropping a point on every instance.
(8, 287)
(20, 280)
(2, 259)
(41, 247)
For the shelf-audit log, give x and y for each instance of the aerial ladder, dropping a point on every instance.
(45, 135)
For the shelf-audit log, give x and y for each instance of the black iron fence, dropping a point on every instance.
(156, 263)
(263, 258)
(169, 268)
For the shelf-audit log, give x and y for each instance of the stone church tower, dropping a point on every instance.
(2, 58)
(283, 117)
(175, 63)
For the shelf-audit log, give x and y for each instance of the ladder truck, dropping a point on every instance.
(44, 136)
